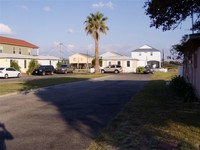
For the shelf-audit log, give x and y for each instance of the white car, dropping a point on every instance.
(9, 72)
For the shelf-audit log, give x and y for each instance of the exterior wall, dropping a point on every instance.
(24, 63)
(10, 48)
(80, 61)
(191, 71)
(123, 63)
(145, 57)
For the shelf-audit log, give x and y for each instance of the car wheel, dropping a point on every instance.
(65, 72)
(18, 76)
(102, 71)
(52, 73)
(116, 71)
(6, 76)
(43, 73)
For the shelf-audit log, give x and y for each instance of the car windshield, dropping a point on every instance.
(63, 65)
(1, 68)
(41, 67)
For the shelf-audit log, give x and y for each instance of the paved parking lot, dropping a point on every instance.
(67, 116)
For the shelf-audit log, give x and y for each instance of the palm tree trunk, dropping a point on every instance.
(96, 56)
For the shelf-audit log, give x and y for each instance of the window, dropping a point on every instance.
(25, 64)
(50, 62)
(128, 63)
(109, 63)
(140, 54)
(1, 51)
(20, 51)
(13, 50)
(118, 63)
(151, 53)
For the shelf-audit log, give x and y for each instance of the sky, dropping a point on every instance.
(57, 26)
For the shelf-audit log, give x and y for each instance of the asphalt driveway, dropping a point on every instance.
(66, 116)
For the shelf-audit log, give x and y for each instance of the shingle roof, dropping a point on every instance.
(145, 48)
(17, 42)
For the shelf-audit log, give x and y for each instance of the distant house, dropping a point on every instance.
(191, 63)
(147, 55)
(81, 61)
(111, 58)
(22, 52)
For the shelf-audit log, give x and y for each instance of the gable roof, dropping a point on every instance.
(110, 54)
(16, 42)
(146, 48)
(85, 55)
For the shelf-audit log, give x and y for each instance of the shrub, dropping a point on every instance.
(184, 89)
(32, 65)
(140, 70)
(15, 65)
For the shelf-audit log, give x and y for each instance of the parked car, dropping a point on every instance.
(65, 68)
(9, 72)
(148, 69)
(112, 69)
(43, 70)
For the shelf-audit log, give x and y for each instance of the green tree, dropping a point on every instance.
(100, 61)
(96, 23)
(15, 65)
(169, 14)
(32, 65)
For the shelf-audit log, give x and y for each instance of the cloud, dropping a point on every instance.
(47, 9)
(70, 46)
(103, 5)
(23, 7)
(5, 29)
(70, 30)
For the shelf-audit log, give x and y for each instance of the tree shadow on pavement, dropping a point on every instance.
(4, 135)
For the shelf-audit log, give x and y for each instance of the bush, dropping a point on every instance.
(140, 70)
(32, 65)
(15, 65)
(183, 88)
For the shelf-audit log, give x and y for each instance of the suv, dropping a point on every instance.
(43, 70)
(64, 69)
(112, 69)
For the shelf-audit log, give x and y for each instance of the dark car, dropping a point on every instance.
(112, 69)
(148, 69)
(65, 68)
(43, 70)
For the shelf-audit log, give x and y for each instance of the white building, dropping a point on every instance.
(147, 55)
(111, 58)
(21, 52)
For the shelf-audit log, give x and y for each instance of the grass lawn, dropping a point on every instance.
(155, 119)
(16, 86)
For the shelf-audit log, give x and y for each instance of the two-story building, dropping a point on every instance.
(81, 61)
(147, 55)
(22, 52)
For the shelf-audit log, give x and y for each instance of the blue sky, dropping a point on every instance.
(46, 23)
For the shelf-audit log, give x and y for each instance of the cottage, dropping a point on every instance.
(81, 61)
(111, 58)
(147, 55)
(22, 52)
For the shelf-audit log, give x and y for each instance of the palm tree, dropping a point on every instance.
(96, 23)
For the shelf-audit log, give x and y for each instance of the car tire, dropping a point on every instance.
(51, 73)
(43, 73)
(6, 76)
(102, 71)
(18, 76)
(65, 72)
(116, 71)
